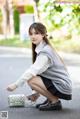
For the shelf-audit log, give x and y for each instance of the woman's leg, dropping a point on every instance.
(37, 84)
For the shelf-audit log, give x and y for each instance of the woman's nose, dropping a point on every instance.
(33, 36)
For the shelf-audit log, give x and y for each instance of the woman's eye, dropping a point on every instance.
(36, 33)
(30, 34)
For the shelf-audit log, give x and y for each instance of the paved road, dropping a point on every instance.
(11, 68)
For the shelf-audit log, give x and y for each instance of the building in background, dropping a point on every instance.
(26, 18)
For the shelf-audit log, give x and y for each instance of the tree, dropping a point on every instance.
(37, 16)
(8, 18)
(57, 15)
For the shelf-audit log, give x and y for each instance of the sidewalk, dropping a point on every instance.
(70, 58)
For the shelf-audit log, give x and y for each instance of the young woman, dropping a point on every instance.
(47, 75)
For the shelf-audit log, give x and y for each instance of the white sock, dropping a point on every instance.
(33, 92)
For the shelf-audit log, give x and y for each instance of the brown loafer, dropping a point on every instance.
(51, 106)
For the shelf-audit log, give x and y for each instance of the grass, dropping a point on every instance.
(15, 42)
(72, 46)
(59, 44)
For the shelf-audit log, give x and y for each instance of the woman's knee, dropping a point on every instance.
(32, 81)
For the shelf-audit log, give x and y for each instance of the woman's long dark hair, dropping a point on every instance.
(39, 28)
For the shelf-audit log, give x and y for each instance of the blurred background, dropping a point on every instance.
(61, 18)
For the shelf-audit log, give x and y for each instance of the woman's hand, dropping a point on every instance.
(11, 87)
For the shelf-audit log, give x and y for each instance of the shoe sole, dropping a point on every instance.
(52, 109)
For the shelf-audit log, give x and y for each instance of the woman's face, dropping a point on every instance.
(36, 37)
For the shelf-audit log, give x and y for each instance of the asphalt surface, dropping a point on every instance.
(13, 62)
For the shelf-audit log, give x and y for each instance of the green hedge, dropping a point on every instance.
(16, 20)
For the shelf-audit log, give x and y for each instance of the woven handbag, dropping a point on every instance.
(16, 100)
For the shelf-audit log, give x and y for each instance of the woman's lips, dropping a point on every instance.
(33, 40)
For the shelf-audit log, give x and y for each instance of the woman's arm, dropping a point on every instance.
(40, 65)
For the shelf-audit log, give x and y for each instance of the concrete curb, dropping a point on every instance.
(13, 51)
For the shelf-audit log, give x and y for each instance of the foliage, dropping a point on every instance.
(16, 20)
(1, 19)
(0, 16)
(28, 9)
(56, 15)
